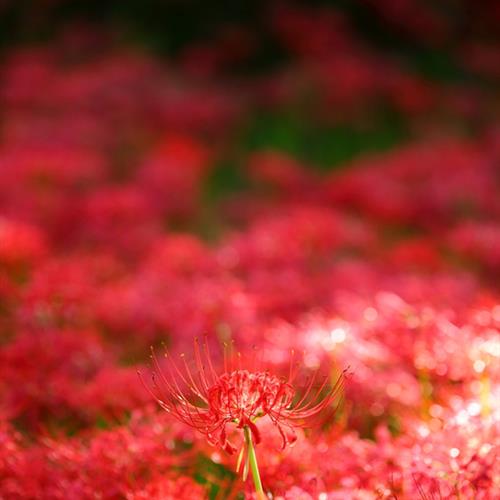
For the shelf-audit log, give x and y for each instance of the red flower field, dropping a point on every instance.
(204, 268)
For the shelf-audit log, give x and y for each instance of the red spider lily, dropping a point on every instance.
(209, 401)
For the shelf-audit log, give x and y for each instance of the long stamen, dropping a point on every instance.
(209, 359)
(308, 409)
(201, 366)
(307, 391)
(194, 386)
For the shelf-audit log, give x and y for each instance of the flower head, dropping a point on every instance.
(209, 401)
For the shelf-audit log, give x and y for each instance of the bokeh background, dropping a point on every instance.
(321, 176)
(323, 80)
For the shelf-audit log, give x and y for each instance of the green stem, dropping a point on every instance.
(254, 467)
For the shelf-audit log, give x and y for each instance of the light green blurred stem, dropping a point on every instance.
(252, 458)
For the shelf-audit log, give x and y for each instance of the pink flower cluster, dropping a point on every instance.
(110, 243)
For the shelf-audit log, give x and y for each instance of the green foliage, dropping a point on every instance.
(323, 146)
(217, 479)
